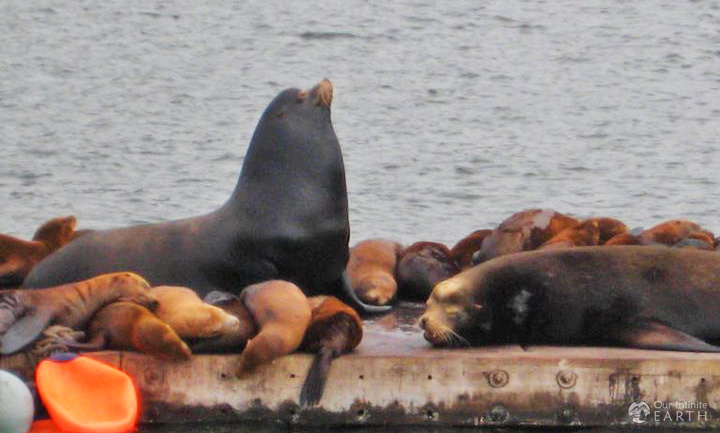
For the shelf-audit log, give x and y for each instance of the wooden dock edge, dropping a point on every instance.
(546, 387)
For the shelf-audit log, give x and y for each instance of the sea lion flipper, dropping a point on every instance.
(351, 298)
(314, 385)
(25, 330)
(653, 335)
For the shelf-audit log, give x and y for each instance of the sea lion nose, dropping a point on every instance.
(323, 93)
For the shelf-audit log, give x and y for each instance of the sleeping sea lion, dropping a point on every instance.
(229, 340)
(334, 329)
(71, 305)
(371, 270)
(421, 266)
(17, 257)
(129, 326)
(282, 314)
(673, 231)
(286, 219)
(584, 234)
(633, 296)
(189, 316)
(523, 231)
(461, 253)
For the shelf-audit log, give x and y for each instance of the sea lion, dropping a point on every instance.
(634, 296)
(17, 256)
(189, 316)
(623, 239)
(334, 329)
(673, 231)
(461, 253)
(523, 231)
(371, 270)
(282, 314)
(609, 228)
(421, 266)
(584, 234)
(71, 305)
(129, 326)
(286, 219)
(230, 340)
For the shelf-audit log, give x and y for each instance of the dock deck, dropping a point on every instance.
(395, 377)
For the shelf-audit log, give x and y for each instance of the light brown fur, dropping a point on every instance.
(371, 270)
(673, 231)
(189, 316)
(585, 234)
(282, 313)
(17, 256)
(128, 326)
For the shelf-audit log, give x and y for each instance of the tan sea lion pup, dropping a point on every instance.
(129, 326)
(334, 329)
(25, 313)
(17, 256)
(371, 270)
(189, 316)
(282, 313)
(523, 231)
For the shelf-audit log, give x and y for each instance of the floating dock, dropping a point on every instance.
(395, 378)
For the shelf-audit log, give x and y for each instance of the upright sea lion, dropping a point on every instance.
(635, 296)
(421, 266)
(189, 316)
(584, 234)
(461, 253)
(371, 270)
(129, 326)
(286, 219)
(334, 329)
(282, 313)
(71, 305)
(523, 231)
(17, 257)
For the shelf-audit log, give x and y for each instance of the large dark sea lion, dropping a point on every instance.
(286, 219)
(633, 296)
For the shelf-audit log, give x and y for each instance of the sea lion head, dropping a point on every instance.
(452, 312)
(57, 231)
(132, 288)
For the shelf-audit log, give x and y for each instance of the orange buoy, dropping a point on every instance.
(83, 395)
(44, 426)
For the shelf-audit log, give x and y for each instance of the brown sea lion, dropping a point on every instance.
(189, 316)
(584, 234)
(461, 253)
(287, 218)
(609, 228)
(371, 270)
(673, 231)
(71, 305)
(334, 329)
(623, 239)
(282, 313)
(129, 326)
(421, 266)
(523, 231)
(634, 296)
(17, 256)
(229, 340)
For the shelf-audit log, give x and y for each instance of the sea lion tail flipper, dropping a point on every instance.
(314, 385)
(348, 295)
(25, 330)
(654, 335)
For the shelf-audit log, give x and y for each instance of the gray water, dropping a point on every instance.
(451, 115)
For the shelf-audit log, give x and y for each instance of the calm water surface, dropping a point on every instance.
(451, 115)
